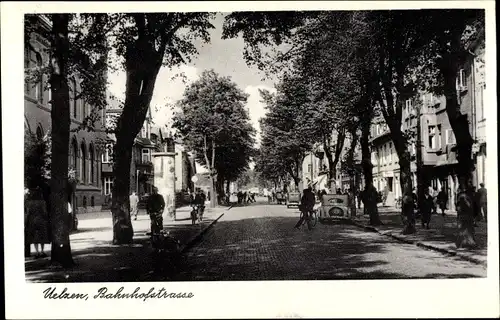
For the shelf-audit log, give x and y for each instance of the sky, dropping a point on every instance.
(224, 56)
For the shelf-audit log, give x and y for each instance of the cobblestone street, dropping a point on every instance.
(258, 242)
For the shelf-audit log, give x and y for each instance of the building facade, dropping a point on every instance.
(437, 140)
(315, 168)
(84, 148)
(149, 140)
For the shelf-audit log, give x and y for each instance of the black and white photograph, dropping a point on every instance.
(176, 153)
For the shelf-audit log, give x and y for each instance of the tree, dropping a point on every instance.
(215, 125)
(396, 39)
(282, 128)
(71, 51)
(451, 36)
(144, 42)
(61, 249)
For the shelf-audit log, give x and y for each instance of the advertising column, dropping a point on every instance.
(164, 179)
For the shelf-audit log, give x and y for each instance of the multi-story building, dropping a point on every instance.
(386, 173)
(150, 139)
(437, 140)
(315, 168)
(84, 151)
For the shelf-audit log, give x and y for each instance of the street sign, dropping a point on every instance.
(194, 179)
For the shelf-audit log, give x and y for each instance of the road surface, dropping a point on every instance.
(258, 242)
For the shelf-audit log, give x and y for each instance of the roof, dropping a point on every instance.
(144, 142)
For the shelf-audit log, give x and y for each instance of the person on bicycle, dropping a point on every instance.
(306, 206)
(155, 207)
(199, 200)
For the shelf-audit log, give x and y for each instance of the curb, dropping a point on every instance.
(421, 244)
(200, 234)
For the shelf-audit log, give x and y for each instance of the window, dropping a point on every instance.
(143, 131)
(84, 109)
(92, 160)
(432, 137)
(408, 106)
(74, 156)
(439, 136)
(450, 137)
(461, 79)
(107, 156)
(83, 167)
(309, 167)
(73, 88)
(39, 84)
(480, 106)
(39, 133)
(390, 152)
(390, 182)
(49, 93)
(108, 185)
(146, 155)
(413, 149)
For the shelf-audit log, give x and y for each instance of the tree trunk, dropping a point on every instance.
(333, 159)
(59, 216)
(369, 204)
(464, 141)
(407, 204)
(120, 206)
(141, 78)
(352, 172)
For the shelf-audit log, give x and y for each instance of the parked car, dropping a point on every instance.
(280, 197)
(334, 206)
(293, 199)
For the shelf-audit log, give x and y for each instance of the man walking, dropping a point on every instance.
(134, 202)
(482, 202)
(155, 207)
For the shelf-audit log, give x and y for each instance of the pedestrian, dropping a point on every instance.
(442, 200)
(134, 203)
(385, 194)
(306, 205)
(37, 218)
(155, 207)
(427, 205)
(483, 202)
(199, 201)
(434, 196)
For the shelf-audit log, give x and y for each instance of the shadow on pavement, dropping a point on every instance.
(264, 248)
(290, 254)
(101, 261)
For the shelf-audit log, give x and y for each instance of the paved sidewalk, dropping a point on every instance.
(440, 237)
(98, 260)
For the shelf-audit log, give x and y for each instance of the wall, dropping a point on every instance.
(37, 110)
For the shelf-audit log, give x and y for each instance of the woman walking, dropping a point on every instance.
(37, 222)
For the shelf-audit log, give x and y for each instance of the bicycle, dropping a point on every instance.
(311, 219)
(197, 214)
(166, 253)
